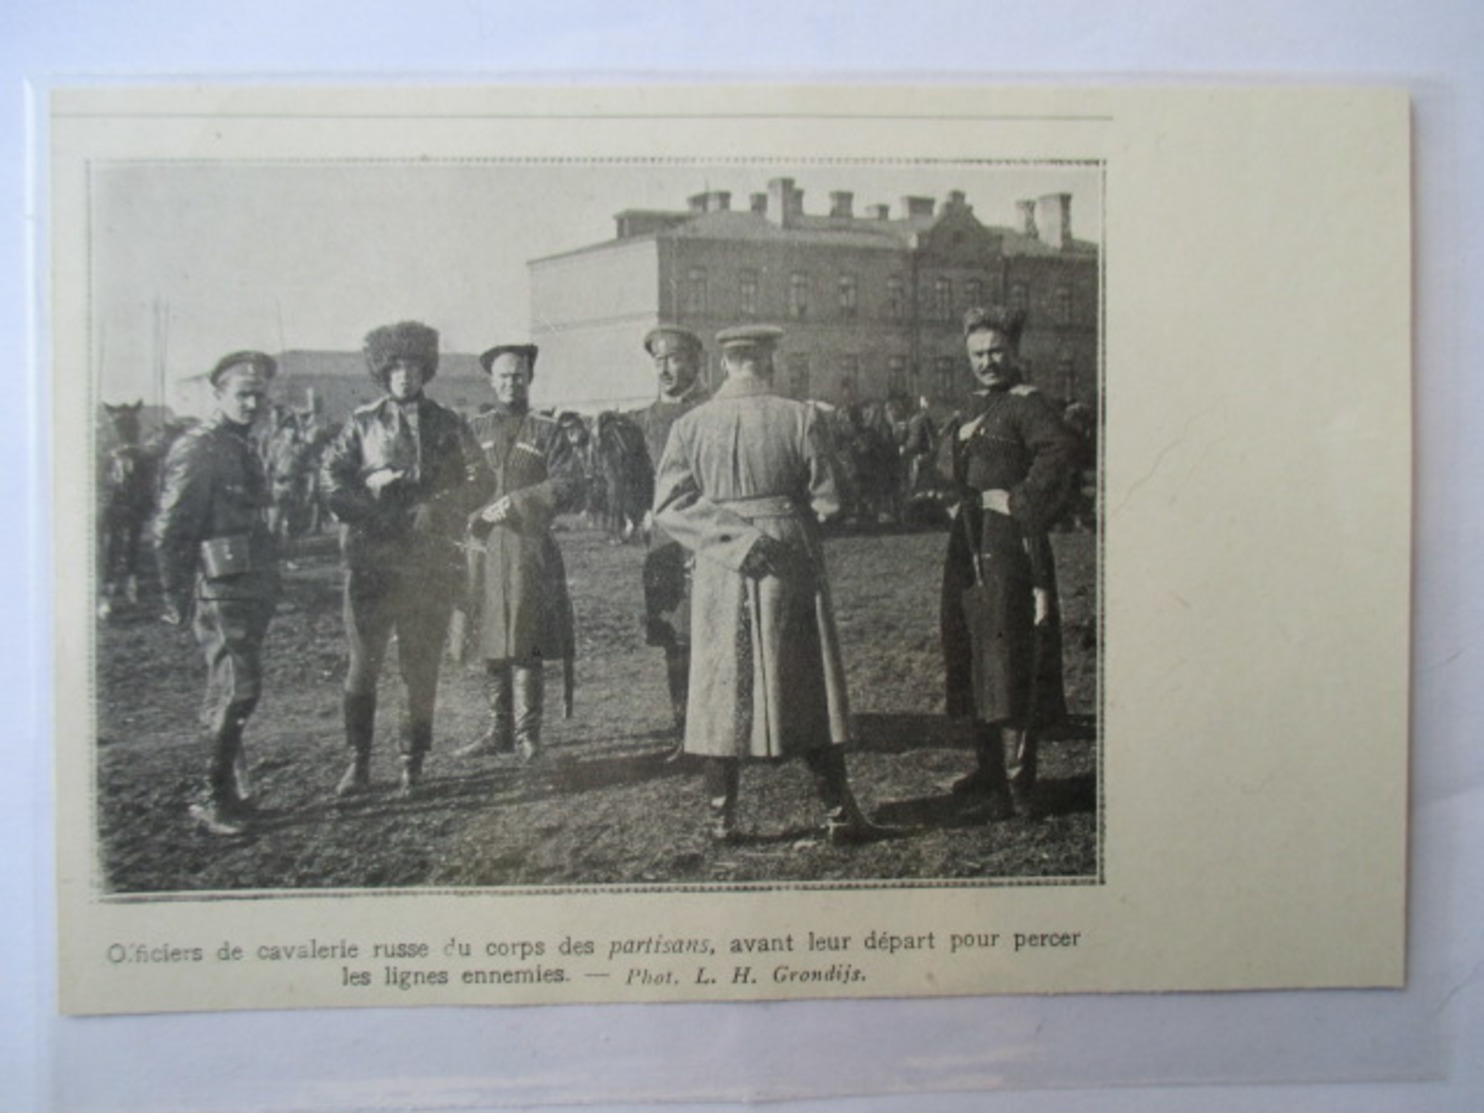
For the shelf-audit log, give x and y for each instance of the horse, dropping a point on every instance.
(622, 472)
(126, 488)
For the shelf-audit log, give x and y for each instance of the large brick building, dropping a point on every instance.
(871, 304)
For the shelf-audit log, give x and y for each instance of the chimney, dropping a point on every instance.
(879, 212)
(917, 206)
(842, 204)
(954, 202)
(759, 203)
(1054, 218)
(1027, 211)
(785, 203)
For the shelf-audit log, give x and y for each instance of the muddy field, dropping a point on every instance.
(602, 807)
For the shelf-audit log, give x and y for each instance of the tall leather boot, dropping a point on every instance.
(988, 786)
(844, 822)
(417, 739)
(677, 674)
(1018, 744)
(216, 814)
(723, 777)
(499, 737)
(528, 687)
(360, 728)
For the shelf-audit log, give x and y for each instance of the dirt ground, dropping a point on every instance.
(602, 807)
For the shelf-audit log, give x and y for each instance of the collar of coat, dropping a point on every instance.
(745, 387)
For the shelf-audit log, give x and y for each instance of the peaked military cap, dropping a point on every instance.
(683, 336)
(260, 362)
(410, 340)
(744, 337)
(487, 360)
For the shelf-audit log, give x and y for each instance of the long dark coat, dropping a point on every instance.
(524, 610)
(666, 566)
(767, 679)
(1014, 441)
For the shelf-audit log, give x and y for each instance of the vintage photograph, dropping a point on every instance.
(492, 523)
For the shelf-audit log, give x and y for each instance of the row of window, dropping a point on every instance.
(944, 378)
(801, 304)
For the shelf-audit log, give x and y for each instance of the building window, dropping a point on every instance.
(848, 296)
(1062, 306)
(944, 366)
(973, 293)
(850, 378)
(896, 298)
(747, 288)
(798, 376)
(942, 299)
(1020, 296)
(1067, 368)
(695, 290)
(798, 296)
(896, 375)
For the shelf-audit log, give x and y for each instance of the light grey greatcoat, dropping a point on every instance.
(766, 678)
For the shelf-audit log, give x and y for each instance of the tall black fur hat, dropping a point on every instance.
(405, 340)
(1010, 322)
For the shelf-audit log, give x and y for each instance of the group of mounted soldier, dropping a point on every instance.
(440, 516)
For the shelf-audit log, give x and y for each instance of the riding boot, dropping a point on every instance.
(988, 785)
(416, 741)
(528, 688)
(499, 738)
(844, 822)
(723, 776)
(360, 728)
(1018, 744)
(216, 813)
(238, 787)
(677, 673)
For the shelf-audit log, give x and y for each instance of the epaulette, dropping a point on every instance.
(1022, 390)
(539, 416)
(369, 407)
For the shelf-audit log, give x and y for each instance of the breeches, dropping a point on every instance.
(230, 633)
(378, 603)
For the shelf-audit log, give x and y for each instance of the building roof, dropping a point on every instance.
(745, 226)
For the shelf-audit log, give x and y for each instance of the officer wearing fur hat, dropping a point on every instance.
(519, 586)
(1010, 459)
(217, 560)
(677, 353)
(401, 478)
(744, 482)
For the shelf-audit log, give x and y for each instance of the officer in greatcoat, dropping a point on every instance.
(677, 354)
(523, 613)
(218, 564)
(401, 478)
(744, 482)
(1010, 461)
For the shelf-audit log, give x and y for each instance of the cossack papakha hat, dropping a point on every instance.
(260, 363)
(528, 351)
(995, 317)
(682, 336)
(411, 340)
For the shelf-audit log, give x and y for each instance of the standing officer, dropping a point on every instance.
(1011, 464)
(401, 478)
(677, 354)
(520, 584)
(217, 556)
(743, 483)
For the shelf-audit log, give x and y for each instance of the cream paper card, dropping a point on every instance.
(1219, 277)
